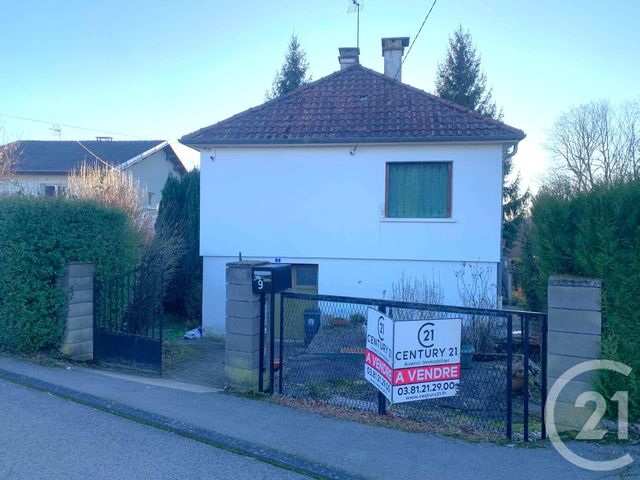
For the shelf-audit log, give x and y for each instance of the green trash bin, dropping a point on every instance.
(466, 355)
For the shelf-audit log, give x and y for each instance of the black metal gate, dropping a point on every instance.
(128, 318)
(319, 349)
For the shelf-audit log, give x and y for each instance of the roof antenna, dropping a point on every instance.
(57, 130)
(355, 6)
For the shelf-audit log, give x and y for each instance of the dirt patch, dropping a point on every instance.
(390, 420)
(200, 362)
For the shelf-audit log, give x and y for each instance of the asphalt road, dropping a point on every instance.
(45, 437)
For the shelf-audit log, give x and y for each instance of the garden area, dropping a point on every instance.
(322, 369)
(147, 269)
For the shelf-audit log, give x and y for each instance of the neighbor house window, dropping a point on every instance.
(52, 190)
(418, 190)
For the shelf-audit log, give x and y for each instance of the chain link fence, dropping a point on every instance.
(322, 360)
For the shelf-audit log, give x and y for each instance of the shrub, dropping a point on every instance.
(38, 237)
(179, 216)
(477, 290)
(595, 234)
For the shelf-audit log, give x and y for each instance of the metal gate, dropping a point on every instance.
(319, 345)
(128, 318)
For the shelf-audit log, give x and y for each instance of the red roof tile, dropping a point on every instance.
(354, 105)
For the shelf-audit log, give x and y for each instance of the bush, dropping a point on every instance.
(38, 237)
(594, 234)
(111, 187)
(179, 214)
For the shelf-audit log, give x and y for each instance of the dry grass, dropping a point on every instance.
(389, 420)
(111, 187)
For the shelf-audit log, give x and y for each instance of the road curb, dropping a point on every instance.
(238, 446)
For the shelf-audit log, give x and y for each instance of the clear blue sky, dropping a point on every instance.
(160, 69)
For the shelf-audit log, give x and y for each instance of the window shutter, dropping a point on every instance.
(418, 190)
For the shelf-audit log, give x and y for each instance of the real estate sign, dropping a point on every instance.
(413, 360)
(378, 358)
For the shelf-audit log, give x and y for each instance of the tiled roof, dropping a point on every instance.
(40, 156)
(354, 105)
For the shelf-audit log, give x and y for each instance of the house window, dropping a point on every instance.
(52, 190)
(306, 275)
(418, 190)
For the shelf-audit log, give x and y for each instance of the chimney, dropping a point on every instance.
(392, 51)
(348, 56)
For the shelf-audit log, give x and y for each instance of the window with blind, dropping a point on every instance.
(418, 190)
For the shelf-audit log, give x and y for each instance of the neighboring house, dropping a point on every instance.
(41, 167)
(355, 179)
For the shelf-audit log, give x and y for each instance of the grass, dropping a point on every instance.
(174, 327)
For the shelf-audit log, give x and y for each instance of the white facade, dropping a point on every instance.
(151, 173)
(32, 184)
(325, 205)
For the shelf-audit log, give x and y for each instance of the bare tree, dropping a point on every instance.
(8, 152)
(477, 290)
(630, 136)
(416, 290)
(596, 143)
(7, 157)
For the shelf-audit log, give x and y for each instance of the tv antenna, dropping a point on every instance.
(356, 6)
(56, 129)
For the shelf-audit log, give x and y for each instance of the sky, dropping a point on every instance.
(155, 69)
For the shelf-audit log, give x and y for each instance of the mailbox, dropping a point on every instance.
(271, 278)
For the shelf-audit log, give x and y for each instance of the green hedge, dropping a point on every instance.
(597, 235)
(38, 237)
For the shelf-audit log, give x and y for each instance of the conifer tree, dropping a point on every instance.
(460, 79)
(293, 73)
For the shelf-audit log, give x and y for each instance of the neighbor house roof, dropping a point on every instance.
(62, 157)
(354, 105)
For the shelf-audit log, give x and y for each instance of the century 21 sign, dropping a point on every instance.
(413, 360)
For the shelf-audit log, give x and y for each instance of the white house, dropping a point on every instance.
(354, 179)
(42, 167)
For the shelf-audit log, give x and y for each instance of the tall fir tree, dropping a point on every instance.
(293, 73)
(514, 204)
(460, 79)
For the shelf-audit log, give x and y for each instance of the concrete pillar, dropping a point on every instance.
(575, 328)
(77, 341)
(242, 328)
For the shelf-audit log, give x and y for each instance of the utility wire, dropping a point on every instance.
(96, 156)
(415, 38)
(24, 87)
(70, 126)
(56, 127)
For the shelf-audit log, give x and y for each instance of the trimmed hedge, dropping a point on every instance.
(594, 234)
(38, 238)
